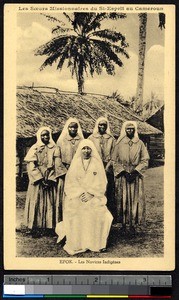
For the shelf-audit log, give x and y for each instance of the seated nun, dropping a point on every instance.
(87, 220)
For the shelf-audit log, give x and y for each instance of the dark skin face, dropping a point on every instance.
(130, 131)
(86, 152)
(73, 129)
(45, 137)
(102, 127)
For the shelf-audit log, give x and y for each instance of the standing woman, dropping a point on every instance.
(87, 221)
(44, 170)
(103, 140)
(105, 143)
(130, 159)
(68, 142)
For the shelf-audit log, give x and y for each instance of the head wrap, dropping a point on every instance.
(123, 130)
(39, 143)
(96, 130)
(65, 129)
(78, 154)
(38, 135)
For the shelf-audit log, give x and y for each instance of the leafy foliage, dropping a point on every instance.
(152, 105)
(119, 98)
(85, 47)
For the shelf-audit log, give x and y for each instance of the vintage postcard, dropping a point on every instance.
(89, 157)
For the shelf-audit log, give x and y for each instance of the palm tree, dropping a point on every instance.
(85, 47)
(141, 62)
(138, 104)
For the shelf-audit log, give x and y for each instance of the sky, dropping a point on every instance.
(33, 30)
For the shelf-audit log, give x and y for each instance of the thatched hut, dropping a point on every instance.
(157, 118)
(157, 141)
(36, 108)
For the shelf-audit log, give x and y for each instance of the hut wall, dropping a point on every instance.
(22, 147)
(156, 147)
(157, 120)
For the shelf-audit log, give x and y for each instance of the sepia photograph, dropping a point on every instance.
(89, 137)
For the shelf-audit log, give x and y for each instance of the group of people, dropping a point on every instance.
(78, 187)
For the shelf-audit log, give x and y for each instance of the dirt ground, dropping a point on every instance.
(145, 243)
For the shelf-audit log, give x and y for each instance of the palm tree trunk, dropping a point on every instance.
(80, 84)
(141, 63)
(80, 81)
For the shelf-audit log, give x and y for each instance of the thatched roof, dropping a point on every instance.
(37, 108)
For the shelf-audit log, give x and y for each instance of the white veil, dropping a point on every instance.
(123, 131)
(65, 129)
(39, 142)
(96, 130)
(94, 153)
(73, 188)
(38, 135)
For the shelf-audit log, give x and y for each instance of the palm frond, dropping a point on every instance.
(50, 60)
(62, 60)
(68, 18)
(116, 16)
(70, 63)
(60, 30)
(107, 64)
(99, 17)
(83, 21)
(121, 50)
(94, 22)
(90, 60)
(87, 63)
(104, 61)
(110, 35)
(105, 48)
(56, 44)
(53, 19)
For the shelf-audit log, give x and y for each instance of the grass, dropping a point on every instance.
(146, 243)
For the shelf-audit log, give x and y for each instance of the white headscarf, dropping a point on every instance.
(65, 129)
(38, 135)
(123, 130)
(39, 143)
(96, 130)
(78, 154)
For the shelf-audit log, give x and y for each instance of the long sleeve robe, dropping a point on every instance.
(86, 224)
(105, 145)
(43, 206)
(130, 155)
(68, 148)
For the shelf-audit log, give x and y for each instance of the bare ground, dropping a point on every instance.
(145, 243)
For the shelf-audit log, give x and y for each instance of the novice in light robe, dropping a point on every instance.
(45, 170)
(87, 221)
(103, 139)
(130, 159)
(68, 142)
(105, 143)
